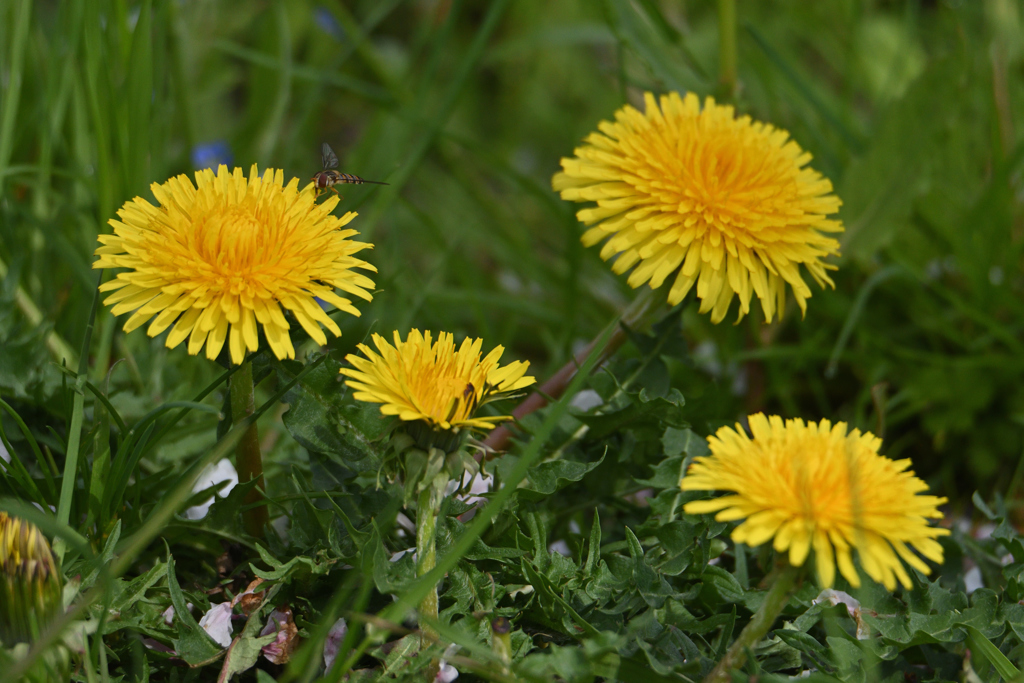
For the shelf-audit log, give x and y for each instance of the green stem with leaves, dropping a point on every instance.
(427, 511)
(760, 624)
(248, 460)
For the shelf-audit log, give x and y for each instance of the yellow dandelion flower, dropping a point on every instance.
(221, 258)
(725, 203)
(421, 380)
(814, 485)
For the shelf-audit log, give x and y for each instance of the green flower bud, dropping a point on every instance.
(30, 583)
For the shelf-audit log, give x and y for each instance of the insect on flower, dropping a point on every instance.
(329, 177)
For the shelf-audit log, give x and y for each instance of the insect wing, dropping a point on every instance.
(328, 157)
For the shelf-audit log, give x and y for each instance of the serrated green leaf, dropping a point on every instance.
(193, 644)
(389, 576)
(594, 546)
(678, 540)
(245, 648)
(652, 587)
(667, 474)
(324, 419)
(548, 477)
(135, 590)
(683, 442)
(300, 566)
(643, 411)
(724, 584)
(802, 641)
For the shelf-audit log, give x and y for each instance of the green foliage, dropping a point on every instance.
(912, 109)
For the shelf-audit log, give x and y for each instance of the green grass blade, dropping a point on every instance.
(44, 464)
(854, 142)
(419, 150)
(856, 310)
(982, 645)
(11, 92)
(75, 428)
(344, 82)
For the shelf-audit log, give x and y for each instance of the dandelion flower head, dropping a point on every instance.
(30, 582)
(726, 203)
(421, 380)
(224, 256)
(817, 486)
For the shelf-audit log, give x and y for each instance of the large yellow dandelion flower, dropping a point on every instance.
(727, 203)
(218, 258)
(814, 485)
(420, 380)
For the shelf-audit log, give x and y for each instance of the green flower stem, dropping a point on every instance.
(427, 510)
(727, 49)
(501, 642)
(760, 624)
(248, 460)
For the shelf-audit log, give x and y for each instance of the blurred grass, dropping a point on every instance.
(465, 107)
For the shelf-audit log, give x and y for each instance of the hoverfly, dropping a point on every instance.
(329, 177)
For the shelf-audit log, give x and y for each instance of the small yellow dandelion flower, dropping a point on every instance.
(420, 380)
(814, 485)
(219, 258)
(727, 203)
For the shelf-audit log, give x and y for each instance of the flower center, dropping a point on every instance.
(446, 398)
(231, 248)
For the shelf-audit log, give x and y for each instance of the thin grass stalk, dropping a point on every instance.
(248, 459)
(67, 485)
(727, 58)
(13, 78)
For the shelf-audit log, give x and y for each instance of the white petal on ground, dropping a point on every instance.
(834, 597)
(275, 621)
(217, 622)
(447, 673)
(280, 622)
(560, 547)
(525, 589)
(169, 613)
(405, 524)
(585, 400)
(478, 484)
(223, 470)
(282, 525)
(402, 553)
(973, 580)
(333, 642)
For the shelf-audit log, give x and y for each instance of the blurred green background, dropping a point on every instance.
(465, 107)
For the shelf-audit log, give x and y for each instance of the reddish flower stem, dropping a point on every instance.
(637, 315)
